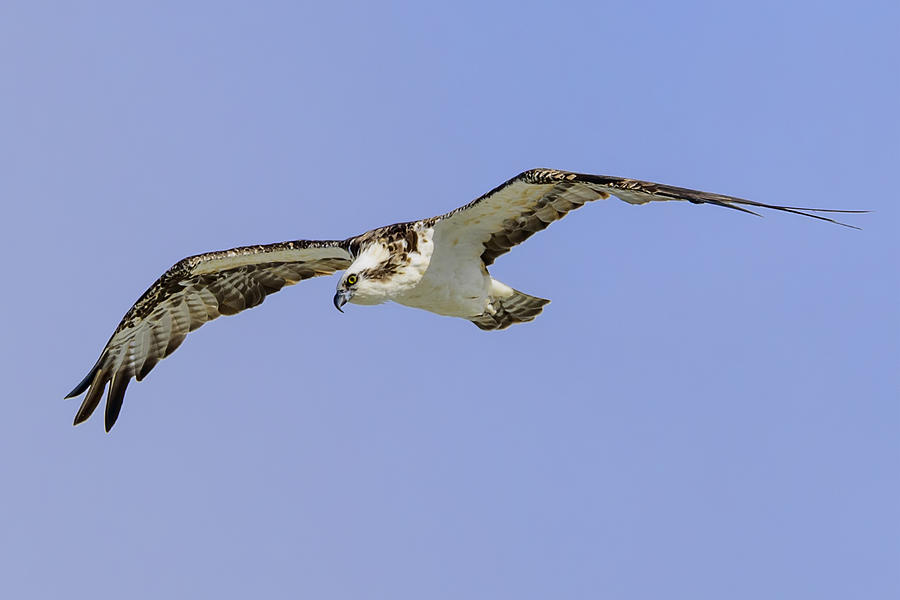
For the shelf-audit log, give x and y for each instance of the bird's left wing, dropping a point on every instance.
(517, 209)
(196, 290)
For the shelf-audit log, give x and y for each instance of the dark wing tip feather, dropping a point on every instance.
(808, 212)
(805, 212)
(669, 192)
(731, 206)
(114, 399)
(185, 297)
(698, 197)
(86, 382)
(92, 400)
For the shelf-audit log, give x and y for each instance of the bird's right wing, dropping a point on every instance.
(196, 290)
(517, 209)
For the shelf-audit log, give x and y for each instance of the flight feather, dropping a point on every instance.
(194, 291)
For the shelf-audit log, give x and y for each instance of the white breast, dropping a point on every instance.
(449, 283)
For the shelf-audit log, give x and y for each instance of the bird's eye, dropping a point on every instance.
(352, 279)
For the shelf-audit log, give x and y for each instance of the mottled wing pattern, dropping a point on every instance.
(194, 291)
(529, 202)
(511, 213)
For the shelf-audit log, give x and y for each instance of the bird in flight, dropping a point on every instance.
(437, 264)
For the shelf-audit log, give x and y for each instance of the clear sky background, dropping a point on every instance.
(708, 409)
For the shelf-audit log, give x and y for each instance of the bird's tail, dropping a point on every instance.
(508, 307)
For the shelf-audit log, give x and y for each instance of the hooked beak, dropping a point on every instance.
(340, 298)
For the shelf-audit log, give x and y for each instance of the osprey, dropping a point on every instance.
(437, 264)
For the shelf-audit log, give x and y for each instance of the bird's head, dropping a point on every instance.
(359, 287)
(369, 280)
(346, 289)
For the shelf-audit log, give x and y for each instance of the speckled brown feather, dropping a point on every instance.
(184, 298)
(520, 207)
(518, 308)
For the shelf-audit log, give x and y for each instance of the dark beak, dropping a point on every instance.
(340, 299)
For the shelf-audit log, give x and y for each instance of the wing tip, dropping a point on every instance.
(81, 417)
(657, 191)
(91, 401)
(95, 383)
(86, 382)
(115, 398)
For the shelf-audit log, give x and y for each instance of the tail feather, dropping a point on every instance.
(516, 308)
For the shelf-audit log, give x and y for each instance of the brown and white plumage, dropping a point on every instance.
(437, 264)
(194, 291)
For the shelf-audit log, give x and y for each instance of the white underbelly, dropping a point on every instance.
(453, 290)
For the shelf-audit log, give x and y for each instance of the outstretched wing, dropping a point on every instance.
(196, 290)
(529, 202)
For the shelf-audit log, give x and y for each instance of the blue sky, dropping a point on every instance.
(708, 408)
